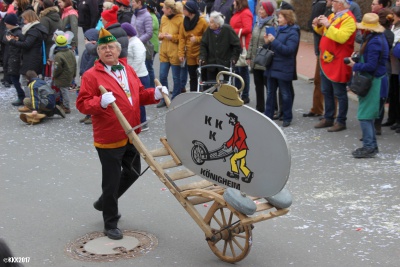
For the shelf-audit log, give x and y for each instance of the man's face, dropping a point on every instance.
(109, 53)
(337, 6)
(375, 6)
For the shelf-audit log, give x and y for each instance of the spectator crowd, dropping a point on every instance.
(39, 42)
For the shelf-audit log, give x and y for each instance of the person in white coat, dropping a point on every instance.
(136, 59)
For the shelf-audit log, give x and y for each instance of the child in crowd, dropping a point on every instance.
(41, 100)
(64, 69)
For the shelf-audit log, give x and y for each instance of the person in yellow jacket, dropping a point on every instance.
(190, 34)
(338, 32)
(170, 26)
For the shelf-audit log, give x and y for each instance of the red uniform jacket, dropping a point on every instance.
(106, 127)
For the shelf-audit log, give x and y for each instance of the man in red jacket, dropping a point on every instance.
(119, 158)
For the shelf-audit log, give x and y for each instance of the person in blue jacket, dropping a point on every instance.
(374, 55)
(281, 72)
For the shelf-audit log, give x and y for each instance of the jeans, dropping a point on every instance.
(330, 90)
(150, 69)
(145, 80)
(15, 81)
(285, 89)
(184, 76)
(176, 77)
(245, 74)
(368, 134)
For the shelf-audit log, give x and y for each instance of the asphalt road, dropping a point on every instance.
(345, 211)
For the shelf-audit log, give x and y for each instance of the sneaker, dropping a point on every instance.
(59, 111)
(323, 124)
(24, 109)
(365, 152)
(88, 121)
(17, 102)
(145, 128)
(84, 119)
(337, 127)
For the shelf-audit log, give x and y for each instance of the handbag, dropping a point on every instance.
(242, 58)
(361, 84)
(263, 57)
(149, 50)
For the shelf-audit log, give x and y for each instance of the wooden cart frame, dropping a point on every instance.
(228, 232)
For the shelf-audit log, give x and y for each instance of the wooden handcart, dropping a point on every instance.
(228, 232)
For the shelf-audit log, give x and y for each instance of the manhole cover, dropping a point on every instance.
(97, 247)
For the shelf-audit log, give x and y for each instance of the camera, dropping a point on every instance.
(355, 58)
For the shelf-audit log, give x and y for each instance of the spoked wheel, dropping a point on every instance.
(231, 241)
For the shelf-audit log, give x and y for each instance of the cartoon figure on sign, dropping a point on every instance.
(239, 147)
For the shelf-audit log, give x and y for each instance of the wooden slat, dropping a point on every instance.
(195, 185)
(182, 174)
(168, 164)
(264, 206)
(200, 200)
(171, 152)
(162, 151)
(263, 217)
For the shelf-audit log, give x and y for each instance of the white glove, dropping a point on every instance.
(107, 99)
(157, 92)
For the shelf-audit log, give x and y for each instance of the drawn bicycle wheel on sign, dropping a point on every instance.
(200, 153)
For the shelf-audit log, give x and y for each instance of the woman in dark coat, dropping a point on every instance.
(51, 20)
(219, 45)
(281, 72)
(32, 56)
(12, 55)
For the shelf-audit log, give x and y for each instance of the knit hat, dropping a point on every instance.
(124, 2)
(11, 19)
(129, 29)
(92, 35)
(268, 7)
(370, 22)
(110, 15)
(61, 40)
(192, 7)
(105, 37)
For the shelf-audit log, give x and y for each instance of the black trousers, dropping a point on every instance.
(260, 82)
(394, 99)
(118, 174)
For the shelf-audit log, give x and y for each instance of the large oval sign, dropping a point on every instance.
(234, 147)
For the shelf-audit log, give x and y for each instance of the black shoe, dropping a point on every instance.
(161, 104)
(248, 178)
(59, 111)
(99, 207)
(398, 130)
(114, 234)
(311, 114)
(234, 175)
(275, 117)
(7, 84)
(17, 102)
(246, 100)
(286, 124)
(365, 152)
(388, 123)
(395, 126)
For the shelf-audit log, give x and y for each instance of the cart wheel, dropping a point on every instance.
(231, 244)
(198, 155)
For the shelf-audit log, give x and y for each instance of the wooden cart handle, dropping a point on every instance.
(166, 98)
